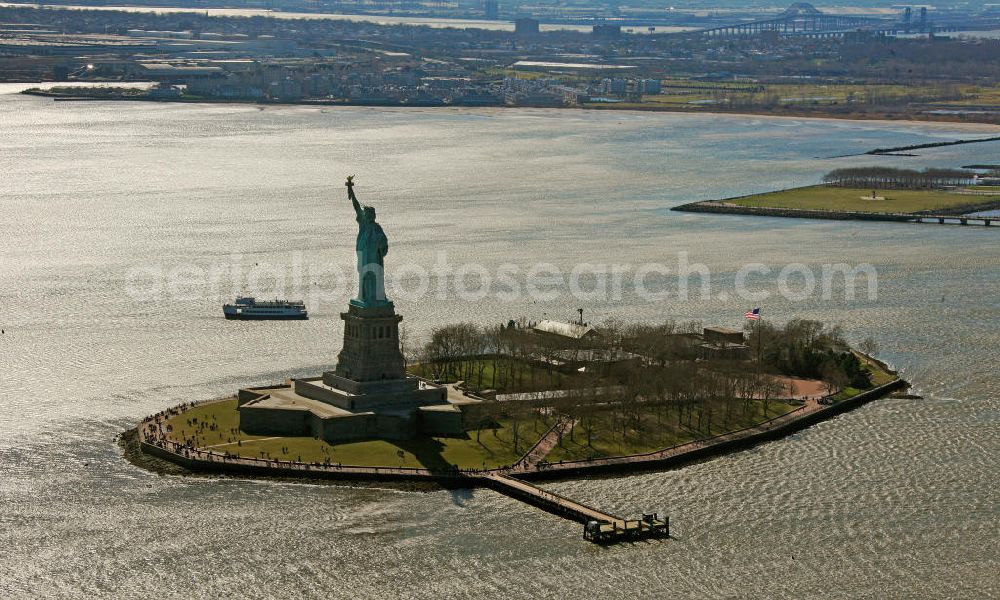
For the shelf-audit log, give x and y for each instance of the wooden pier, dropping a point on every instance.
(598, 527)
(956, 219)
(727, 208)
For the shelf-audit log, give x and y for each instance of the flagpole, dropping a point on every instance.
(754, 315)
(759, 321)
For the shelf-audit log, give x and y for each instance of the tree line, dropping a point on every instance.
(897, 179)
(649, 379)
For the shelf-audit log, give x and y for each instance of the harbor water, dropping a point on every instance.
(126, 225)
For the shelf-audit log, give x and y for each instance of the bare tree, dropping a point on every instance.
(404, 344)
(834, 377)
(869, 346)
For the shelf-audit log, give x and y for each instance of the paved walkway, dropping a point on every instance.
(542, 448)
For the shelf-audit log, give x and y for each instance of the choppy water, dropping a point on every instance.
(898, 499)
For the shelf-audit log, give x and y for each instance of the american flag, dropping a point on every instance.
(753, 315)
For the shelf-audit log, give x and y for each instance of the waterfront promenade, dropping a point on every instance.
(153, 439)
(510, 480)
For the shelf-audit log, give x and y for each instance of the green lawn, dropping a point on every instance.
(216, 426)
(657, 431)
(748, 95)
(850, 199)
(209, 424)
(878, 375)
(431, 452)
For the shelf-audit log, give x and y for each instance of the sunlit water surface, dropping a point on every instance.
(434, 22)
(897, 499)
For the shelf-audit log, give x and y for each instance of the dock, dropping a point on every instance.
(726, 208)
(956, 220)
(598, 526)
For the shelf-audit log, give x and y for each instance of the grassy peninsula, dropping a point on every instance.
(874, 193)
(823, 197)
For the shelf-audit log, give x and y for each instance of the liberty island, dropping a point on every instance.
(339, 425)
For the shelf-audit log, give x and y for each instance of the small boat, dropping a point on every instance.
(249, 308)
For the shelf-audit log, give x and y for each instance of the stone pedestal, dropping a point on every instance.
(371, 373)
(371, 345)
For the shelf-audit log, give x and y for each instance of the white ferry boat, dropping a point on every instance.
(247, 308)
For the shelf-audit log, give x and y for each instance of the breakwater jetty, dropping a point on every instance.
(896, 149)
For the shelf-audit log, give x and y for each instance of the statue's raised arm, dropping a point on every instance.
(350, 194)
(372, 246)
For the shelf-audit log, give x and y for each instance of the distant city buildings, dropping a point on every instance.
(331, 61)
(165, 91)
(526, 26)
(607, 32)
(541, 92)
(491, 9)
(629, 87)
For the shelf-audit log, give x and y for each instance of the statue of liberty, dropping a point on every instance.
(372, 246)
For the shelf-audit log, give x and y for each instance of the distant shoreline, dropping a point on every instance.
(80, 95)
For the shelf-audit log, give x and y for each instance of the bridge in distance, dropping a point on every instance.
(803, 19)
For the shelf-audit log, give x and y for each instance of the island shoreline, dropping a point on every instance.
(728, 207)
(139, 450)
(963, 118)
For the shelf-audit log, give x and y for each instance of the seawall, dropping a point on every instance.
(726, 207)
(704, 449)
(735, 209)
(208, 463)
